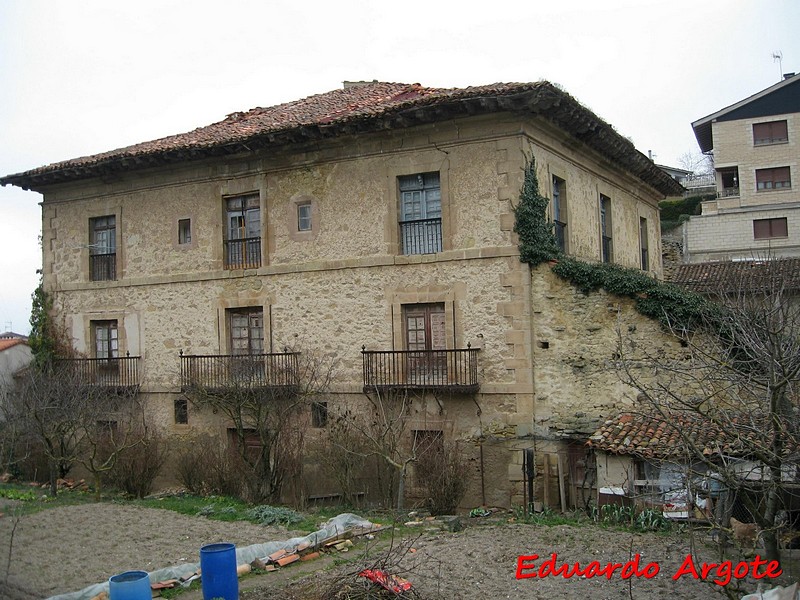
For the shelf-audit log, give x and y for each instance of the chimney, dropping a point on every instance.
(351, 84)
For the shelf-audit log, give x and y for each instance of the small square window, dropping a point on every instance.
(319, 414)
(184, 231)
(304, 217)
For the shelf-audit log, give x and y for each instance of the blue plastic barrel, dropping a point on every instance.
(130, 585)
(218, 571)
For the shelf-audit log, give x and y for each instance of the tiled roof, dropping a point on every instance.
(6, 344)
(748, 275)
(657, 437)
(369, 107)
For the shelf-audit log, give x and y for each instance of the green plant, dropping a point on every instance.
(274, 515)
(652, 520)
(537, 242)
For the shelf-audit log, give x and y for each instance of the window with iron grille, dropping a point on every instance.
(773, 179)
(103, 248)
(560, 212)
(764, 229)
(774, 132)
(606, 241)
(420, 213)
(243, 230)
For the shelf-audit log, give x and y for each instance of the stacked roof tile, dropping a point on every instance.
(655, 436)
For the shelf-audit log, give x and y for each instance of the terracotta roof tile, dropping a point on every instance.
(651, 436)
(746, 275)
(369, 107)
(6, 344)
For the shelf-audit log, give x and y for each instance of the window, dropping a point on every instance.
(420, 213)
(247, 331)
(560, 212)
(644, 244)
(243, 244)
(103, 248)
(184, 231)
(181, 411)
(106, 339)
(764, 229)
(424, 335)
(304, 217)
(774, 132)
(773, 179)
(606, 242)
(319, 414)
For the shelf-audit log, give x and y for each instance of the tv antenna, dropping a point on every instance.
(777, 57)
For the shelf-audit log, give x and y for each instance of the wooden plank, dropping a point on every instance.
(546, 473)
(561, 482)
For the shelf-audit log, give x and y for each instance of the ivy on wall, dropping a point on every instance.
(667, 303)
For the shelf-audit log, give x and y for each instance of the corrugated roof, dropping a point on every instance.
(370, 107)
(746, 275)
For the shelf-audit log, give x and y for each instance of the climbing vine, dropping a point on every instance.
(667, 303)
(537, 242)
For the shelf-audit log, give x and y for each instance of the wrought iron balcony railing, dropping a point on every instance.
(103, 267)
(452, 370)
(243, 254)
(421, 237)
(116, 373)
(243, 371)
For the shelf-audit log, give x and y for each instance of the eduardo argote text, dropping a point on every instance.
(530, 567)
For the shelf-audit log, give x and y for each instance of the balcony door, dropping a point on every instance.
(244, 232)
(426, 341)
(247, 344)
(106, 349)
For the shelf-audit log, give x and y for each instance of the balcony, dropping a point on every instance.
(729, 192)
(243, 254)
(421, 237)
(276, 371)
(103, 267)
(116, 375)
(446, 370)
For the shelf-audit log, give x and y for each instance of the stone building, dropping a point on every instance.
(360, 225)
(757, 208)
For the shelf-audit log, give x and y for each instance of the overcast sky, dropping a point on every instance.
(85, 76)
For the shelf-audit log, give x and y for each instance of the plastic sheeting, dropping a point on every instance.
(244, 555)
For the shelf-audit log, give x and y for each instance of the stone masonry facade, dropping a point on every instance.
(544, 349)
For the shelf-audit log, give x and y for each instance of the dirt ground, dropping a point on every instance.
(65, 549)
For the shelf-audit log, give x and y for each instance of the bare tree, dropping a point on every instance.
(697, 162)
(267, 411)
(731, 398)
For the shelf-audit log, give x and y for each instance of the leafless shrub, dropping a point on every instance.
(443, 471)
(138, 466)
